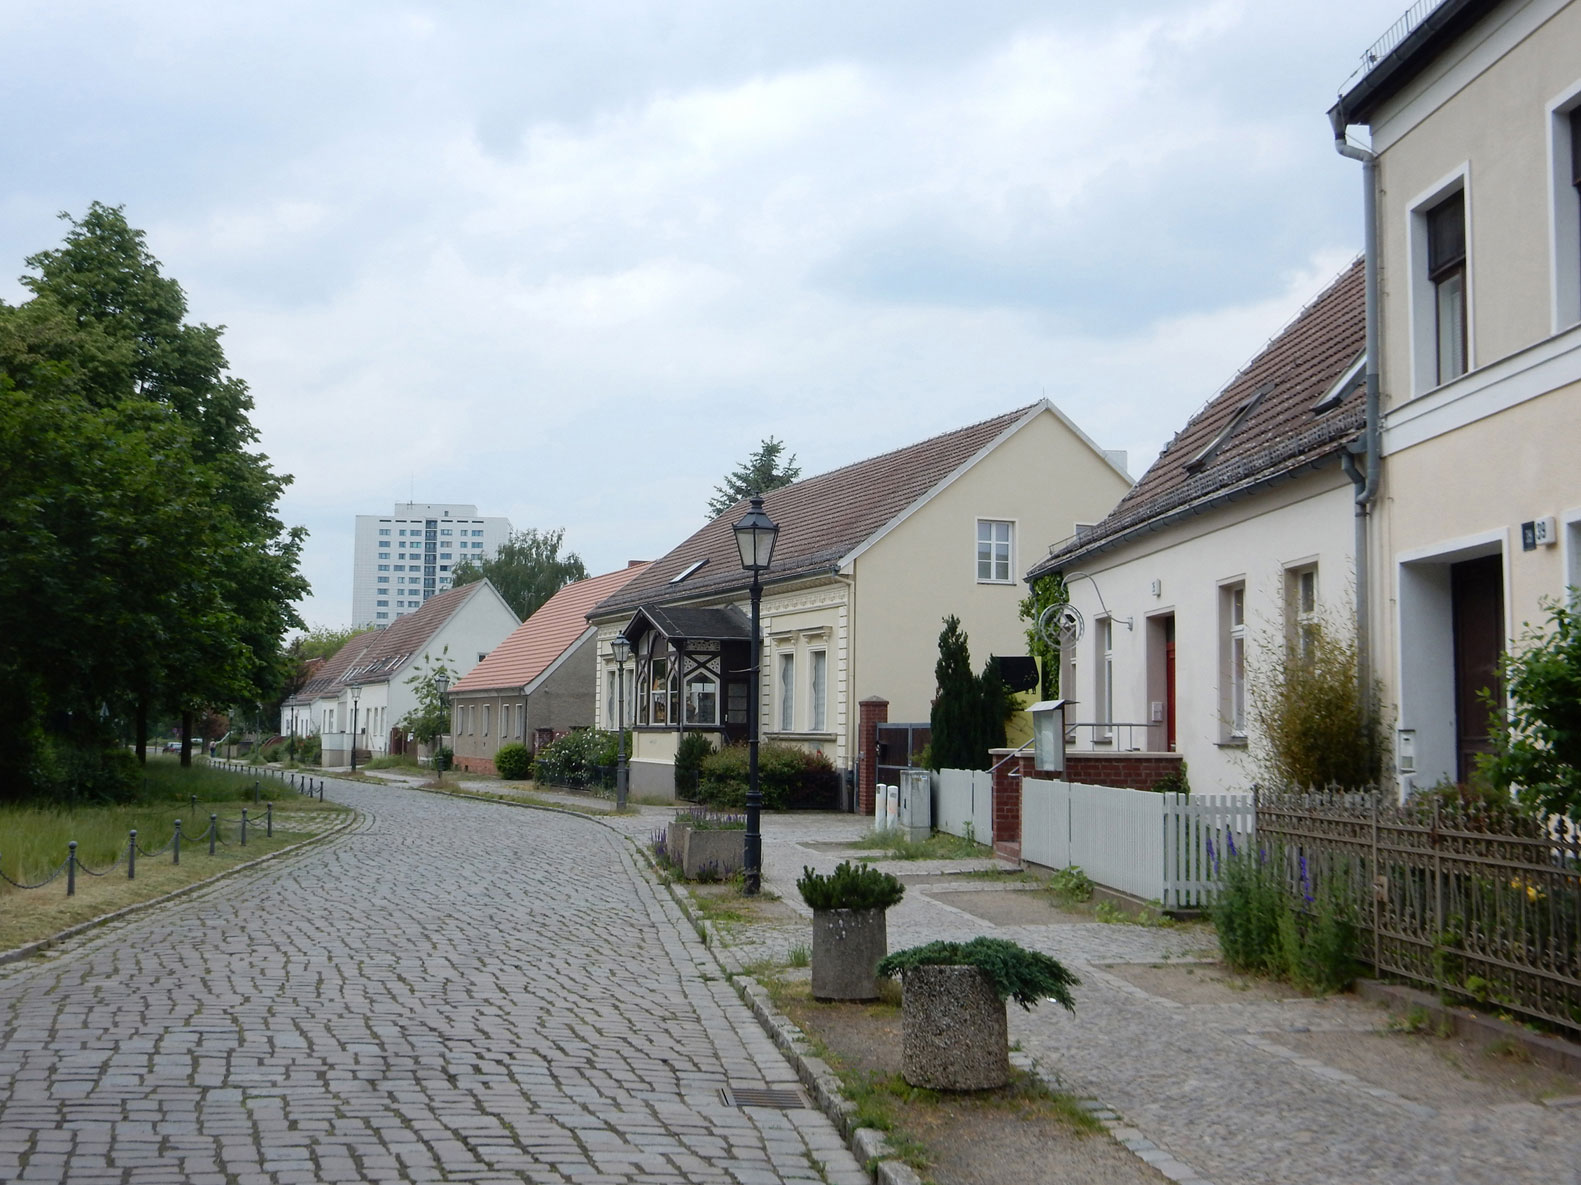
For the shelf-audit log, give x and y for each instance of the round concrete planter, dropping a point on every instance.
(953, 1031)
(846, 947)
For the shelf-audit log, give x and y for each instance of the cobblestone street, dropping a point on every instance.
(450, 992)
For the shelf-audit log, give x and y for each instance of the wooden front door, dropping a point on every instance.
(1476, 589)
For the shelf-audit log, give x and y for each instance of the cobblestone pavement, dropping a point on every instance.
(451, 992)
(1208, 1091)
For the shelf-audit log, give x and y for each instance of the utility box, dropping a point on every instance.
(915, 816)
(1048, 735)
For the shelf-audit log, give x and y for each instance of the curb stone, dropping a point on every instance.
(29, 949)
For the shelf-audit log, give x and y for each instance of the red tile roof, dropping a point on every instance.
(821, 519)
(1265, 417)
(543, 637)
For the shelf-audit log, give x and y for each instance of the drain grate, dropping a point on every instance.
(789, 1099)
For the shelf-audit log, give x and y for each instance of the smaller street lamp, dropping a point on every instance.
(291, 744)
(620, 647)
(755, 537)
(356, 692)
(441, 685)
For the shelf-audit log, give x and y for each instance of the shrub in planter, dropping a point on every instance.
(954, 1035)
(849, 932)
(513, 762)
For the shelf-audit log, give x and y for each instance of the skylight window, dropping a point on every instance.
(1197, 463)
(1348, 382)
(687, 571)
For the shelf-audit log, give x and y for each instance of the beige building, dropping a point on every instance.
(538, 683)
(870, 559)
(1475, 147)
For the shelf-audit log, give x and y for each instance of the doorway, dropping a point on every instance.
(1476, 590)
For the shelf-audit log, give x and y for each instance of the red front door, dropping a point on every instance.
(1169, 684)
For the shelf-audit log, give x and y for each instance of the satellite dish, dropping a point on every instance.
(1060, 623)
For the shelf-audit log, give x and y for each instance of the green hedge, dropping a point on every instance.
(513, 762)
(788, 777)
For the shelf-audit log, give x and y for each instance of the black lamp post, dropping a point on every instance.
(621, 649)
(356, 692)
(755, 536)
(293, 734)
(441, 685)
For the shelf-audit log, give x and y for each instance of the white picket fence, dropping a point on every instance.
(963, 803)
(1152, 846)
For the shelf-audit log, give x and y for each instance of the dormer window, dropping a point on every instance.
(1341, 390)
(1200, 461)
(687, 571)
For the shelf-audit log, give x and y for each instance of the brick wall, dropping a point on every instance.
(872, 712)
(476, 765)
(1007, 800)
(1131, 771)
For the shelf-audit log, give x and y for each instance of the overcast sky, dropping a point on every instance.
(572, 262)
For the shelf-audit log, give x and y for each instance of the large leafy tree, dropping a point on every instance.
(527, 569)
(758, 474)
(144, 570)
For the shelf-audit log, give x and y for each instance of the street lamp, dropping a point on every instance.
(356, 692)
(441, 685)
(292, 743)
(621, 649)
(755, 536)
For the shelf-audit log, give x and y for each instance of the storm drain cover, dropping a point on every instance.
(762, 1096)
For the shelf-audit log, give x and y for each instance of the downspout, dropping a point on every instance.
(1365, 478)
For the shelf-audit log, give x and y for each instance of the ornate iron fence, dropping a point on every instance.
(1477, 902)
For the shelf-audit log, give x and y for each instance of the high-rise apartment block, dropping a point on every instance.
(403, 558)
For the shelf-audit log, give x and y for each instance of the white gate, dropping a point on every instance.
(963, 803)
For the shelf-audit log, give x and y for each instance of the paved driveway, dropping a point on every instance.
(452, 992)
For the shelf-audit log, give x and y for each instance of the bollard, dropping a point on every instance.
(71, 869)
(244, 827)
(269, 820)
(255, 789)
(214, 826)
(321, 789)
(194, 806)
(175, 845)
(131, 857)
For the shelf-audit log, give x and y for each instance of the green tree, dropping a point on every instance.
(527, 570)
(322, 641)
(956, 715)
(758, 474)
(1537, 747)
(1046, 591)
(162, 580)
(430, 719)
(996, 703)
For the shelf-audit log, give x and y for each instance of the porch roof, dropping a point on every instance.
(728, 624)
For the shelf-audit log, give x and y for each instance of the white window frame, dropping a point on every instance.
(785, 690)
(696, 719)
(1232, 659)
(1423, 293)
(818, 690)
(993, 560)
(1301, 609)
(1564, 213)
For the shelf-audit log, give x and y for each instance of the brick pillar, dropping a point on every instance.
(1007, 800)
(871, 712)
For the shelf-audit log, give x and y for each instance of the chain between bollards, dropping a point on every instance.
(71, 869)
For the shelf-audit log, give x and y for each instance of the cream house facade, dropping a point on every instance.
(1474, 115)
(870, 559)
(1232, 545)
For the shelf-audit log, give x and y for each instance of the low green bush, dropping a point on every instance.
(850, 886)
(788, 778)
(689, 757)
(1025, 976)
(576, 758)
(513, 762)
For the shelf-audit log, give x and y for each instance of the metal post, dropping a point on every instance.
(622, 774)
(255, 789)
(71, 869)
(214, 827)
(175, 845)
(244, 827)
(269, 820)
(753, 855)
(194, 799)
(131, 856)
(321, 789)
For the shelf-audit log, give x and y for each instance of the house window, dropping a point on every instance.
(444, 530)
(1232, 632)
(381, 616)
(1103, 667)
(477, 534)
(656, 690)
(1446, 272)
(818, 689)
(702, 699)
(1565, 180)
(787, 692)
(384, 555)
(384, 580)
(993, 552)
(382, 604)
(1301, 610)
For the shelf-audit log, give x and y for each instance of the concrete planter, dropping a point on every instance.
(720, 851)
(846, 947)
(675, 837)
(953, 1030)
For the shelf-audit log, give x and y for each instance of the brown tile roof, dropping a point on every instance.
(326, 674)
(543, 637)
(821, 519)
(1272, 427)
